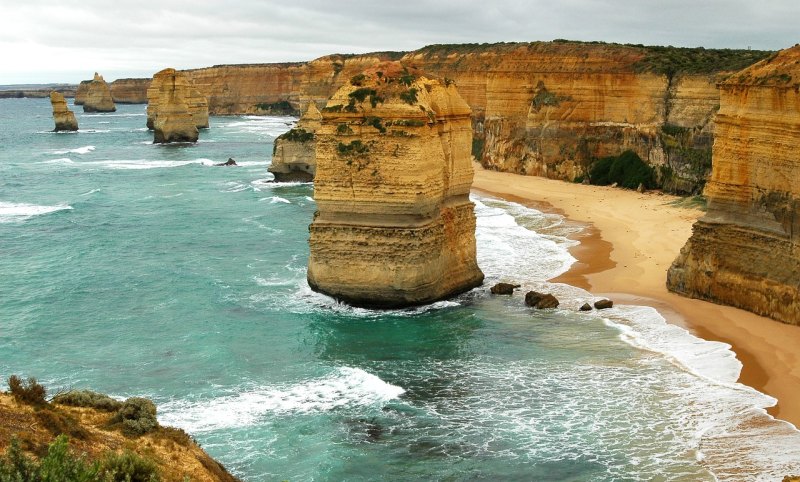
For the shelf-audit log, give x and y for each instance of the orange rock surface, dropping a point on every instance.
(745, 251)
(395, 226)
(63, 117)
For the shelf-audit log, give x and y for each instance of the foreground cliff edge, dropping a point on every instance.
(745, 251)
(82, 435)
(395, 225)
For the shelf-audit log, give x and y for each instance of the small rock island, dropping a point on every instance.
(294, 152)
(98, 96)
(395, 225)
(175, 109)
(64, 118)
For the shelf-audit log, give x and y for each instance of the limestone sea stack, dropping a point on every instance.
(63, 117)
(98, 96)
(293, 155)
(196, 103)
(172, 121)
(395, 226)
(745, 251)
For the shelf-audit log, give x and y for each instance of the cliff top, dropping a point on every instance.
(781, 69)
(665, 60)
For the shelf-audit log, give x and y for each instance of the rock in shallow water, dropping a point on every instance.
(603, 304)
(503, 289)
(540, 300)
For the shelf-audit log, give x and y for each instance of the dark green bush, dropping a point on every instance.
(353, 148)
(627, 170)
(343, 129)
(375, 122)
(409, 96)
(128, 467)
(60, 464)
(29, 391)
(358, 80)
(477, 148)
(282, 107)
(297, 135)
(137, 416)
(88, 398)
(362, 94)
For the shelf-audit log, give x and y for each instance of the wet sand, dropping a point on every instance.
(630, 241)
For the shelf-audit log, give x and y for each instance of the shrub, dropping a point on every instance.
(58, 423)
(627, 170)
(128, 467)
(362, 94)
(297, 135)
(88, 398)
(477, 148)
(353, 148)
(409, 96)
(137, 416)
(357, 80)
(29, 392)
(282, 107)
(375, 122)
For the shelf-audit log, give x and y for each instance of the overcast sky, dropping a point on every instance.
(64, 40)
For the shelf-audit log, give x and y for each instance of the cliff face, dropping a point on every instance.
(395, 226)
(746, 250)
(63, 117)
(170, 84)
(173, 110)
(130, 91)
(98, 96)
(294, 156)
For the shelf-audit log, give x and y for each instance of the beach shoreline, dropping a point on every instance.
(629, 242)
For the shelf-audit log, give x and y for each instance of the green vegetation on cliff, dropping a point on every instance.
(679, 60)
(626, 170)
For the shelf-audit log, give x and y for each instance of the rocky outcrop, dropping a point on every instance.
(170, 80)
(541, 301)
(168, 109)
(503, 289)
(98, 96)
(130, 91)
(64, 118)
(395, 226)
(745, 251)
(293, 155)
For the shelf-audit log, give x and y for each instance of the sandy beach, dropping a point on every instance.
(630, 241)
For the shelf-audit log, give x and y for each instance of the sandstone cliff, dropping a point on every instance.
(170, 80)
(395, 226)
(746, 250)
(293, 155)
(63, 117)
(98, 96)
(130, 91)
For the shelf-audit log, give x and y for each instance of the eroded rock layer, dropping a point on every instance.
(130, 91)
(169, 110)
(745, 251)
(98, 96)
(294, 153)
(171, 80)
(64, 118)
(395, 225)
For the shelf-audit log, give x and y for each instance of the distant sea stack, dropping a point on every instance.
(98, 96)
(395, 226)
(170, 80)
(294, 156)
(168, 112)
(64, 118)
(745, 251)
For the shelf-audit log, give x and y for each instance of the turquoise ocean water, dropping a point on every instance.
(136, 269)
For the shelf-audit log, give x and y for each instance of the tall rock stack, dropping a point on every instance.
(196, 103)
(171, 119)
(98, 96)
(63, 117)
(294, 157)
(395, 225)
(745, 251)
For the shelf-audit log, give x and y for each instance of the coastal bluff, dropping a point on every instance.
(395, 226)
(294, 152)
(745, 251)
(98, 96)
(64, 118)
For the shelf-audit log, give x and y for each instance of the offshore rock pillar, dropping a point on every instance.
(63, 117)
(395, 225)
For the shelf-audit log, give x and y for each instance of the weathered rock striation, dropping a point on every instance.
(294, 152)
(540, 108)
(64, 118)
(130, 91)
(98, 96)
(169, 112)
(395, 225)
(170, 80)
(745, 251)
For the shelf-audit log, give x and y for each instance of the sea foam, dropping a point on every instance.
(344, 387)
(10, 212)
